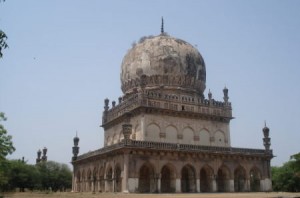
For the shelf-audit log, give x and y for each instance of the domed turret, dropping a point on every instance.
(163, 61)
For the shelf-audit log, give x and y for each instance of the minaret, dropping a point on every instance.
(75, 148)
(225, 92)
(162, 26)
(210, 98)
(106, 108)
(266, 139)
(38, 159)
(44, 157)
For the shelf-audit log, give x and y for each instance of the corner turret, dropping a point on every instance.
(75, 148)
(266, 139)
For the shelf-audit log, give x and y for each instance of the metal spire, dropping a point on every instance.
(162, 25)
(265, 123)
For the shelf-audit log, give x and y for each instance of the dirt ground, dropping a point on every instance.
(120, 195)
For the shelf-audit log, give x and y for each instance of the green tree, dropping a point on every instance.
(55, 176)
(3, 39)
(3, 43)
(23, 176)
(6, 144)
(4, 176)
(287, 177)
(6, 147)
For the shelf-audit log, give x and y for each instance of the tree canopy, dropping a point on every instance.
(287, 177)
(43, 176)
(3, 39)
(6, 144)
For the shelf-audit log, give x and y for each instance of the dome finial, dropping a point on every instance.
(162, 25)
(265, 123)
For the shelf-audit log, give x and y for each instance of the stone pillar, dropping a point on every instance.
(158, 185)
(214, 185)
(267, 185)
(105, 185)
(231, 185)
(125, 173)
(198, 185)
(73, 182)
(113, 181)
(178, 185)
(247, 185)
(133, 184)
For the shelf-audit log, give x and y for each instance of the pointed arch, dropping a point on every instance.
(118, 178)
(109, 179)
(147, 182)
(121, 136)
(239, 179)
(188, 179)
(137, 134)
(83, 180)
(115, 139)
(89, 180)
(171, 134)
(206, 176)
(188, 135)
(152, 132)
(168, 178)
(223, 179)
(204, 137)
(109, 141)
(255, 177)
(219, 138)
(101, 179)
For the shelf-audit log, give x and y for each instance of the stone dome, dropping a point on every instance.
(163, 61)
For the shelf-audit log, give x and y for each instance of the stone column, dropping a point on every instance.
(214, 185)
(105, 185)
(158, 185)
(73, 182)
(178, 185)
(247, 185)
(198, 185)
(231, 185)
(113, 181)
(125, 173)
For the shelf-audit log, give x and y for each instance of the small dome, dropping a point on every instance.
(163, 61)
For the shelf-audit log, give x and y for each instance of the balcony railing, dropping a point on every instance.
(193, 105)
(136, 144)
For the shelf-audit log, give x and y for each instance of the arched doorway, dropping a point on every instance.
(109, 180)
(239, 179)
(118, 187)
(146, 179)
(188, 179)
(206, 175)
(255, 178)
(223, 179)
(101, 180)
(94, 179)
(167, 179)
(83, 180)
(89, 181)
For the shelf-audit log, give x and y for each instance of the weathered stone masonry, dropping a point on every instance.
(164, 135)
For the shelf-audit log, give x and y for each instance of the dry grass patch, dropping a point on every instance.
(120, 195)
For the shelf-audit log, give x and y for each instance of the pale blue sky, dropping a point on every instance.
(64, 59)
